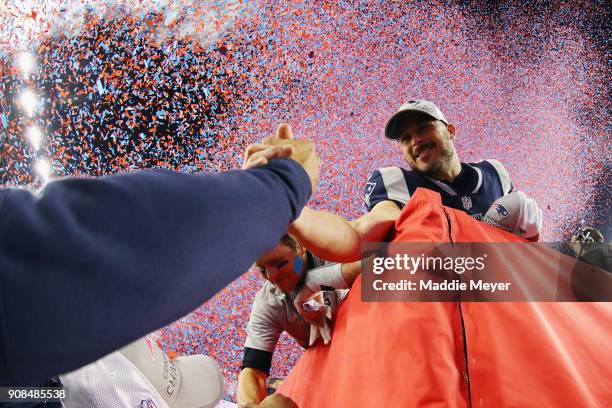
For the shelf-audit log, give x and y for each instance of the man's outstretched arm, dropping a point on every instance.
(335, 239)
(89, 265)
(330, 236)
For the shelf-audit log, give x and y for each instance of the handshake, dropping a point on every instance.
(282, 145)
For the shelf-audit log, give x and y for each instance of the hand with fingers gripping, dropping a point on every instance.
(283, 145)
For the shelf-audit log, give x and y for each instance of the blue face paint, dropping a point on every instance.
(297, 265)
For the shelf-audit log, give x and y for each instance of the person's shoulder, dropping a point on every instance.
(391, 183)
(489, 164)
(492, 164)
(495, 168)
(268, 297)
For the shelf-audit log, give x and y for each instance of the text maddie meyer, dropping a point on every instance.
(448, 285)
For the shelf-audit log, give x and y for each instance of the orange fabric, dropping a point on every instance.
(412, 354)
(540, 354)
(380, 354)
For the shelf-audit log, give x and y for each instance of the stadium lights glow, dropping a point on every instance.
(43, 169)
(34, 136)
(28, 102)
(26, 62)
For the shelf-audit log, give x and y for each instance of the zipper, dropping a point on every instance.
(450, 226)
(465, 351)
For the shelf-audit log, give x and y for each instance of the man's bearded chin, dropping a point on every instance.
(440, 167)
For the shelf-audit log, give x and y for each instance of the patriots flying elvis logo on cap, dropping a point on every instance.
(414, 106)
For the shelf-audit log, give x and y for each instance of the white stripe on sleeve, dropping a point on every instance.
(504, 177)
(395, 184)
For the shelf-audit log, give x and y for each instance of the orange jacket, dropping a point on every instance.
(457, 354)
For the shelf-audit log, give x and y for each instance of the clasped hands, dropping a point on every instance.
(282, 145)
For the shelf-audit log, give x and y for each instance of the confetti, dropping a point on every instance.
(188, 85)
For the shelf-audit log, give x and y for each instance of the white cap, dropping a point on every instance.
(141, 375)
(418, 106)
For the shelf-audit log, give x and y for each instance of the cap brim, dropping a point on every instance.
(202, 384)
(391, 131)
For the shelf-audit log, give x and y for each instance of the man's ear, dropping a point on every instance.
(300, 250)
(451, 130)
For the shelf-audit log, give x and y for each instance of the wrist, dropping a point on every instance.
(327, 275)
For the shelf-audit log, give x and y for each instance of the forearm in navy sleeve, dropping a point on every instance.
(90, 265)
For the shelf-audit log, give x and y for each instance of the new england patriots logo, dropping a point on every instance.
(369, 188)
(148, 403)
(467, 202)
(501, 211)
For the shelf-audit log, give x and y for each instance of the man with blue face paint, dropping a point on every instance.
(284, 268)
